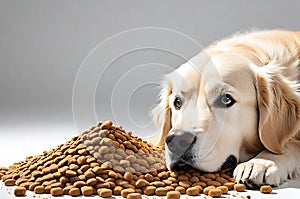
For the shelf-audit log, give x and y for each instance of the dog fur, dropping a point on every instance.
(260, 71)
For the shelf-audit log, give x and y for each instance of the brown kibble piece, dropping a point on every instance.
(134, 196)
(224, 189)
(125, 192)
(230, 185)
(183, 178)
(210, 175)
(180, 189)
(104, 192)
(161, 191)
(70, 173)
(67, 189)
(207, 189)
(57, 191)
(141, 183)
(163, 175)
(157, 184)
(128, 176)
(173, 195)
(215, 193)
(185, 184)
(149, 190)
(213, 183)
(149, 177)
(74, 192)
(192, 191)
(117, 190)
(39, 189)
(87, 190)
(239, 187)
(79, 184)
(265, 189)
(20, 191)
(9, 182)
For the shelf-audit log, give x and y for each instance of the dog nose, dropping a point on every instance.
(179, 141)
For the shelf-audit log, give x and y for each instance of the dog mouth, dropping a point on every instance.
(230, 163)
(186, 161)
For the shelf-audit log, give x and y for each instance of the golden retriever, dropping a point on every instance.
(236, 102)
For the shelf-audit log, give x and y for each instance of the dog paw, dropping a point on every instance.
(257, 172)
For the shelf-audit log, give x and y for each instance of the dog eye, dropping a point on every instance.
(177, 103)
(224, 101)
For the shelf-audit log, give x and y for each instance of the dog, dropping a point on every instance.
(236, 104)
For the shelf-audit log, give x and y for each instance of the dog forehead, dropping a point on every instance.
(232, 71)
(185, 78)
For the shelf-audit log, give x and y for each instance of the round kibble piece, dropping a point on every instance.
(10, 182)
(128, 176)
(127, 191)
(229, 185)
(207, 189)
(39, 189)
(215, 193)
(180, 189)
(161, 191)
(173, 195)
(74, 192)
(134, 196)
(104, 192)
(192, 191)
(117, 190)
(20, 191)
(57, 191)
(265, 189)
(149, 190)
(224, 189)
(213, 183)
(87, 190)
(141, 183)
(239, 187)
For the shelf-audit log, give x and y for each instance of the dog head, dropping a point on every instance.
(221, 108)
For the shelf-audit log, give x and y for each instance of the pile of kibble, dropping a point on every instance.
(105, 160)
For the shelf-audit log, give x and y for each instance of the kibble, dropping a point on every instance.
(106, 160)
(173, 195)
(9, 182)
(39, 189)
(265, 189)
(134, 196)
(87, 190)
(224, 189)
(239, 187)
(127, 191)
(57, 191)
(215, 193)
(104, 192)
(161, 191)
(180, 189)
(149, 190)
(20, 191)
(74, 192)
(207, 189)
(229, 185)
(192, 191)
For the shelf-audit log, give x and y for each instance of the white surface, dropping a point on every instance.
(18, 144)
(279, 193)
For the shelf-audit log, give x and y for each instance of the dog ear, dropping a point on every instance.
(162, 116)
(278, 106)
